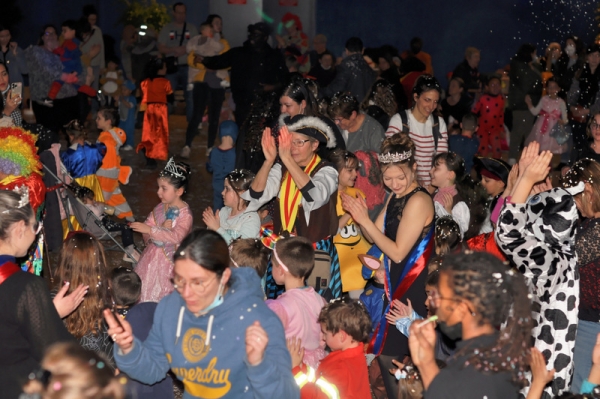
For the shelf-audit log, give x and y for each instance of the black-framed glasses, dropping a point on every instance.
(299, 143)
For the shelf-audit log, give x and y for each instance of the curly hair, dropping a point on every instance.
(499, 296)
(398, 143)
(82, 261)
(381, 94)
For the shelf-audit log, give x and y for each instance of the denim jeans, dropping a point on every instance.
(179, 81)
(587, 332)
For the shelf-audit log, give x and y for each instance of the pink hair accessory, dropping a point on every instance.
(279, 262)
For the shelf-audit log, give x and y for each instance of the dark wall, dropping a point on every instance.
(447, 27)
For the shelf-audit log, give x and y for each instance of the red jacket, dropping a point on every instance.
(342, 374)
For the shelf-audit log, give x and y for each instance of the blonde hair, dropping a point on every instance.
(71, 372)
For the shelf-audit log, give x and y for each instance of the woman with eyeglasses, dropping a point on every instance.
(303, 184)
(427, 130)
(214, 331)
(29, 322)
(592, 150)
(476, 294)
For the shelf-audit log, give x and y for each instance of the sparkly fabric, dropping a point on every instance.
(155, 267)
(587, 247)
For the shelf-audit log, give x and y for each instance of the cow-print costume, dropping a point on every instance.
(538, 237)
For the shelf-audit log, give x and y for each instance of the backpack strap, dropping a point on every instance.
(404, 117)
(435, 130)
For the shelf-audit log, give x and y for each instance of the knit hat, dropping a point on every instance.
(311, 126)
(129, 85)
(491, 167)
(228, 128)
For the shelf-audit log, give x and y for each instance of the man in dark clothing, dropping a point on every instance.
(468, 71)
(323, 71)
(354, 74)
(255, 66)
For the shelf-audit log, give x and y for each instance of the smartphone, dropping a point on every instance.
(16, 90)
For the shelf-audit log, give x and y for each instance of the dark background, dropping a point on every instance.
(497, 27)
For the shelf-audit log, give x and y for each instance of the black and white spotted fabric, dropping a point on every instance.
(539, 238)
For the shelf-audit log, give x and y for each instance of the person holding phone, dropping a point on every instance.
(11, 98)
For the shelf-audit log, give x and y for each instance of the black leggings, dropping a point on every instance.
(389, 380)
(203, 94)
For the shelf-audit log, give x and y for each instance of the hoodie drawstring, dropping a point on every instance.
(209, 330)
(179, 323)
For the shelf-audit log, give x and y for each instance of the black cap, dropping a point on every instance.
(495, 166)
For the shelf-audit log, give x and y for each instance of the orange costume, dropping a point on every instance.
(155, 132)
(342, 374)
(111, 172)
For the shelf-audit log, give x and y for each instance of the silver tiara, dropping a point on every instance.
(394, 157)
(23, 191)
(172, 169)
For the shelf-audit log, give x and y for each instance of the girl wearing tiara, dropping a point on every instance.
(234, 221)
(408, 210)
(163, 230)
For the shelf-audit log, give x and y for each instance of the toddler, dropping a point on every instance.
(205, 45)
(221, 160)
(490, 109)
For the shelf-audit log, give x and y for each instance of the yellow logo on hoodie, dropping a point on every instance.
(193, 346)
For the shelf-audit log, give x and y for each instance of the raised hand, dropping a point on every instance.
(66, 304)
(538, 168)
(210, 219)
(294, 345)
(357, 207)
(256, 343)
(268, 145)
(285, 144)
(528, 155)
(119, 331)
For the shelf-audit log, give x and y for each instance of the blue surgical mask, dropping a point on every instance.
(216, 302)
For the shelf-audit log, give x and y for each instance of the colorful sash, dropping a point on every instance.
(416, 262)
(290, 196)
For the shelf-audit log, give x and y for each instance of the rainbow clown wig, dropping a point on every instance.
(19, 163)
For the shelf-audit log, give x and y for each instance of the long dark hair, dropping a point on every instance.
(499, 296)
(298, 91)
(470, 191)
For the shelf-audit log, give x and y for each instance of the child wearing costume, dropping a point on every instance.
(82, 160)
(70, 56)
(537, 233)
(163, 231)
(111, 173)
(156, 91)
(490, 109)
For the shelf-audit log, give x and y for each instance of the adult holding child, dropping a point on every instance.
(408, 210)
(216, 320)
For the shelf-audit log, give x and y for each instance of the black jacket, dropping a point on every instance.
(251, 68)
(353, 75)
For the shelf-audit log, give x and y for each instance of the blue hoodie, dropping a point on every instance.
(219, 370)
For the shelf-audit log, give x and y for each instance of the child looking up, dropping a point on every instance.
(156, 92)
(163, 231)
(70, 56)
(82, 160)
(349, 241)
(233, 221)
(345, 327)
(111, 172)
(490, 109)
(127, 111)
(551, 110)
(222, 160)
(299, 306)
(466, 144)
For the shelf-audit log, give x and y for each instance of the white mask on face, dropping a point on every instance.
(326, 68)
(570, 50)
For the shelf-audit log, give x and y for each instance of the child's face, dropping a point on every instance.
(111, 66)
(207, 31)
(102, 123)
(335, 341)
(348, 175)
(88, 201)
(492, 187)
(230, 196)
(125, 91)
(167, 193)
(494, 87)
(379, 275)
(68, 33)
(553, 89)
(440, 175)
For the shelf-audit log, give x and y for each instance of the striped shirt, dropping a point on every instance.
(422, 135)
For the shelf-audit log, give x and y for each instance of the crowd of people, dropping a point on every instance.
(372, 234)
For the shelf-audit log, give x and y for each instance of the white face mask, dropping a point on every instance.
(570, 50)
(326, 68)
